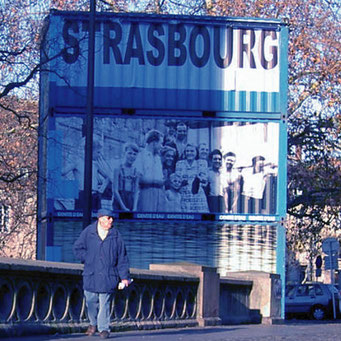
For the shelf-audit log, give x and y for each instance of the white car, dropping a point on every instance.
(311, 299)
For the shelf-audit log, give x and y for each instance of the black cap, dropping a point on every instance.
(105, 212)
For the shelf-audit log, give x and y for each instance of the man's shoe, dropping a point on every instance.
(104, 334)
(91, 330)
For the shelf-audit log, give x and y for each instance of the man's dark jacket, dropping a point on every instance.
(105, 261)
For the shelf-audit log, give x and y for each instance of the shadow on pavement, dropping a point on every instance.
(189, 331)
(131, 334)
(304, 321)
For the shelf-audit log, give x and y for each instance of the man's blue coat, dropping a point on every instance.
(105, 261)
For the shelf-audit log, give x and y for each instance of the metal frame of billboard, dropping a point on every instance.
(228, 101)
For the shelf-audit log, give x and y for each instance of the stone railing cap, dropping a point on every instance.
(183, 267)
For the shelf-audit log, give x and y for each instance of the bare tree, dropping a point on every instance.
(18, 174)
(21, 26)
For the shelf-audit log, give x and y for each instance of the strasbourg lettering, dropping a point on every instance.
(175, 44)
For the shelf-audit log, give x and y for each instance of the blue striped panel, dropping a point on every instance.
(171, 99)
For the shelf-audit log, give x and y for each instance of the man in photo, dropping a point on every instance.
(181, 139)
(125, 184)
(232, 183)
(254, 182)
(213, 184)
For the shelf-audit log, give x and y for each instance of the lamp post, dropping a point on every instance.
(87, 208)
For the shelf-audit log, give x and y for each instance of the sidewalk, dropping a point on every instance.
(291, 331)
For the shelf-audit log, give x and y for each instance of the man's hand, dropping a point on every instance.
(124, 283)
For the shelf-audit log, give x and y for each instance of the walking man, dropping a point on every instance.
(102, 251)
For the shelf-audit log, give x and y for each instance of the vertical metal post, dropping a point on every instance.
(332, 278)
(87, 208)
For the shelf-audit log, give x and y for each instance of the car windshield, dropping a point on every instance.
(332, 288)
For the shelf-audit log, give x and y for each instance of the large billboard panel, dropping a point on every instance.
(170, 62)
(167, 168)
(189, 135)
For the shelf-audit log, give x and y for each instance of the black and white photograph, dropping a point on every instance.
(168, 165)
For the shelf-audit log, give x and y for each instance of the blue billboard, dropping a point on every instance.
(189, 133)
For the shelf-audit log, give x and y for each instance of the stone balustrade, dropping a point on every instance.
(40, 297)
(47, 297)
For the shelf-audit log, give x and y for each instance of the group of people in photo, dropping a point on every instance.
(170, 174)
(174, 168)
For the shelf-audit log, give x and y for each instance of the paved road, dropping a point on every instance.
(292, 331)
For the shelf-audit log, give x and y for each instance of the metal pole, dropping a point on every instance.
(332, 279)
(87, 208)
